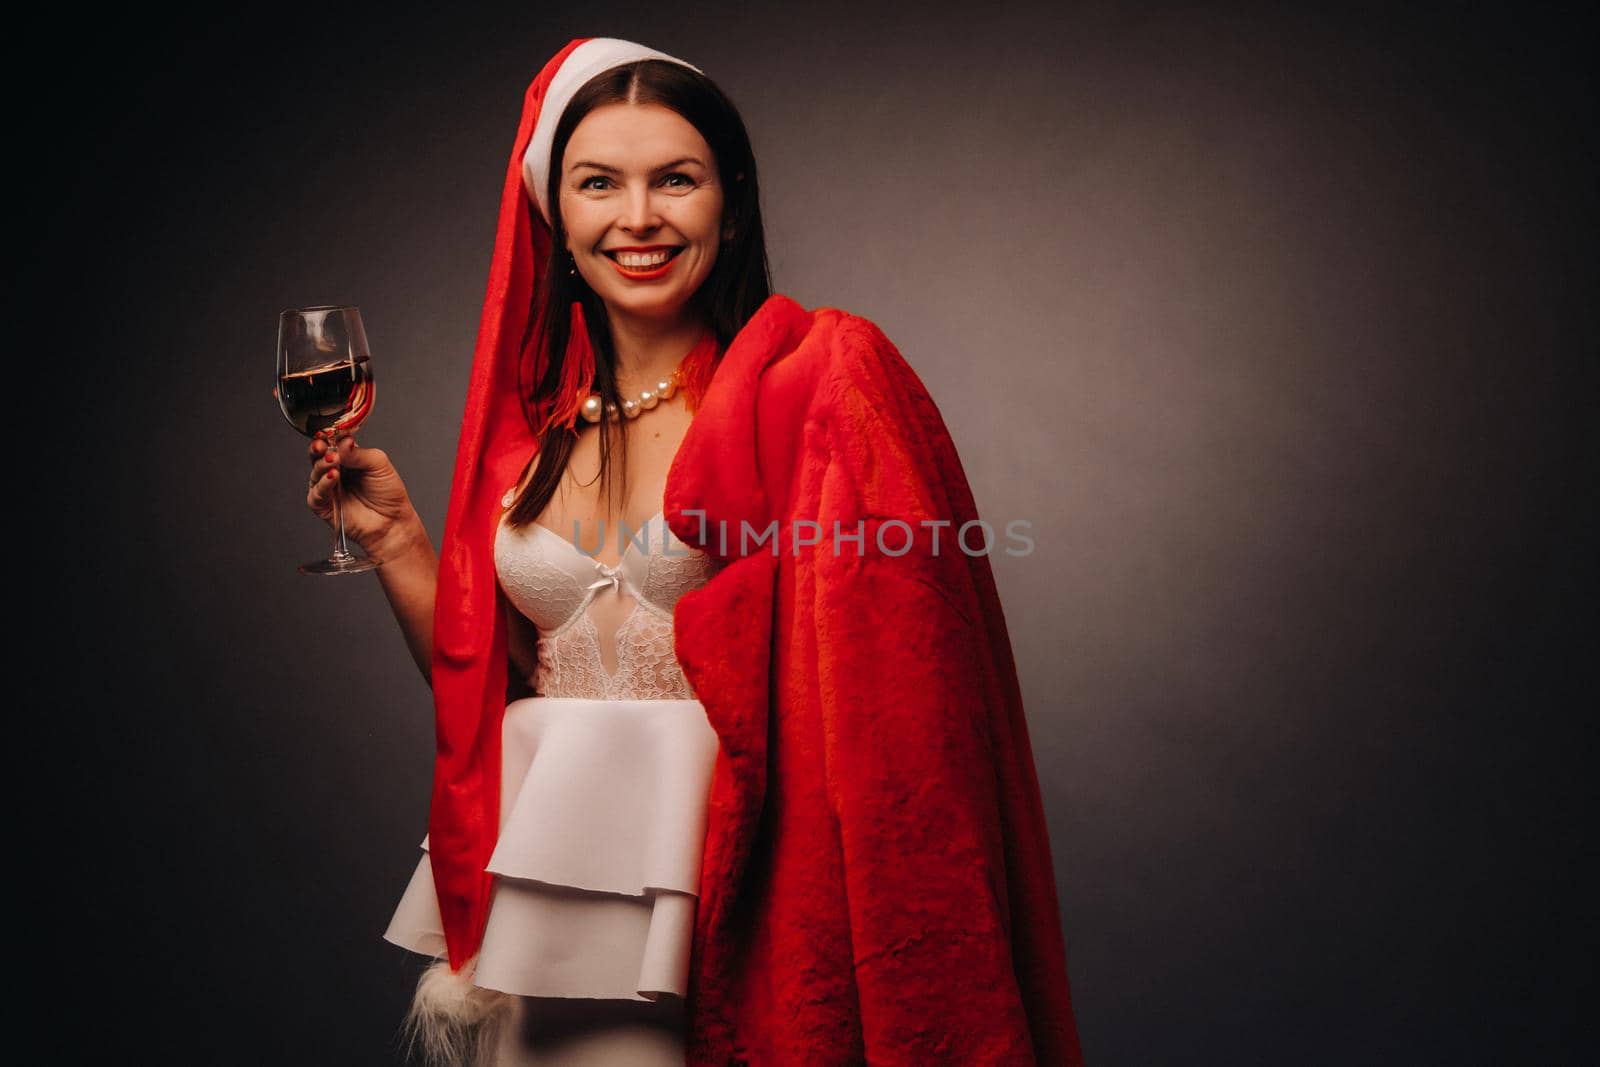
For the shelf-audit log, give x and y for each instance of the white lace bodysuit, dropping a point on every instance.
(605, 632)
(606, 773)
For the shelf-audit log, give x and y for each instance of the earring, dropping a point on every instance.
(572, 265)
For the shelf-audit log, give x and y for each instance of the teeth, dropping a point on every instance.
(643, 259)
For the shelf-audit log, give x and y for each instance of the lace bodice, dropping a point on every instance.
(605, 632)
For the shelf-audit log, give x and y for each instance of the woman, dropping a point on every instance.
(773, 800)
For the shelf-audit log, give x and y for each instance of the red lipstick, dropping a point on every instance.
(644, 275)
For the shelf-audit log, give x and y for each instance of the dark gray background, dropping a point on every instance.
(1276, 324)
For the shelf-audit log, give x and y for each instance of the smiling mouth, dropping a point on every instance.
(643, 261)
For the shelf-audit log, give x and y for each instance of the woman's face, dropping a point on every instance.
(640, 177)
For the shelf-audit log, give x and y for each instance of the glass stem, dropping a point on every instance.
(341, 552)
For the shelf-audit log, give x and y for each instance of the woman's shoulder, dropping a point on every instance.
(835, 356)
(870, 423)
(841, 392)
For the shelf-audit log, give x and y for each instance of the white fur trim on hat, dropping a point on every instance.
(584, 62)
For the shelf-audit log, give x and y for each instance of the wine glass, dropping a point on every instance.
(325, 390)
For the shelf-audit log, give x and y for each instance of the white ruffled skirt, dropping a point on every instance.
(597, 869)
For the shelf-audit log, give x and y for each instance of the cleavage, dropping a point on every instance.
(650, 532)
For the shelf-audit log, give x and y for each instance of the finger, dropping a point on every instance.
(365, 456)
(317, 493)
(357, 458)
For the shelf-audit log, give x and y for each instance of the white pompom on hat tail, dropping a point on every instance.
(455, 1021)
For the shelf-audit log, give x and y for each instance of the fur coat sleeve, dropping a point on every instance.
(877, 884)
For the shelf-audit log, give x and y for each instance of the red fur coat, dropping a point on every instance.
(877, 884)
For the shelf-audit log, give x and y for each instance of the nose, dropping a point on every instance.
(639, 213)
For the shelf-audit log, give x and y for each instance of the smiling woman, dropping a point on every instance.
(697, 801)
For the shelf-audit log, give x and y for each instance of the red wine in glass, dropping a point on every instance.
(325, 389)
(330, 399)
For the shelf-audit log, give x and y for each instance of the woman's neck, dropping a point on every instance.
(648, 352)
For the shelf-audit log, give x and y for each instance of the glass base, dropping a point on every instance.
(352, 565)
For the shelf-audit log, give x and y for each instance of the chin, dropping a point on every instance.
(653, 307)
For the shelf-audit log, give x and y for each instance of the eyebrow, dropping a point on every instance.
(613, 170)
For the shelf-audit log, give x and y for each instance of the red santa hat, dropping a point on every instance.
(499, 432)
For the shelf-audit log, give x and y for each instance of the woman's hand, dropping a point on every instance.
(378, 514)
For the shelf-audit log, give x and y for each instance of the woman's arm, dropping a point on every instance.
(410, 578)
(409, 572)
(378, 516)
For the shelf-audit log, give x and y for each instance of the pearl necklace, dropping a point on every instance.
(648, 398)
(633, 408)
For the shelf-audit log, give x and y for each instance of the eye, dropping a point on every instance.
(594, 178)
(688, 181)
